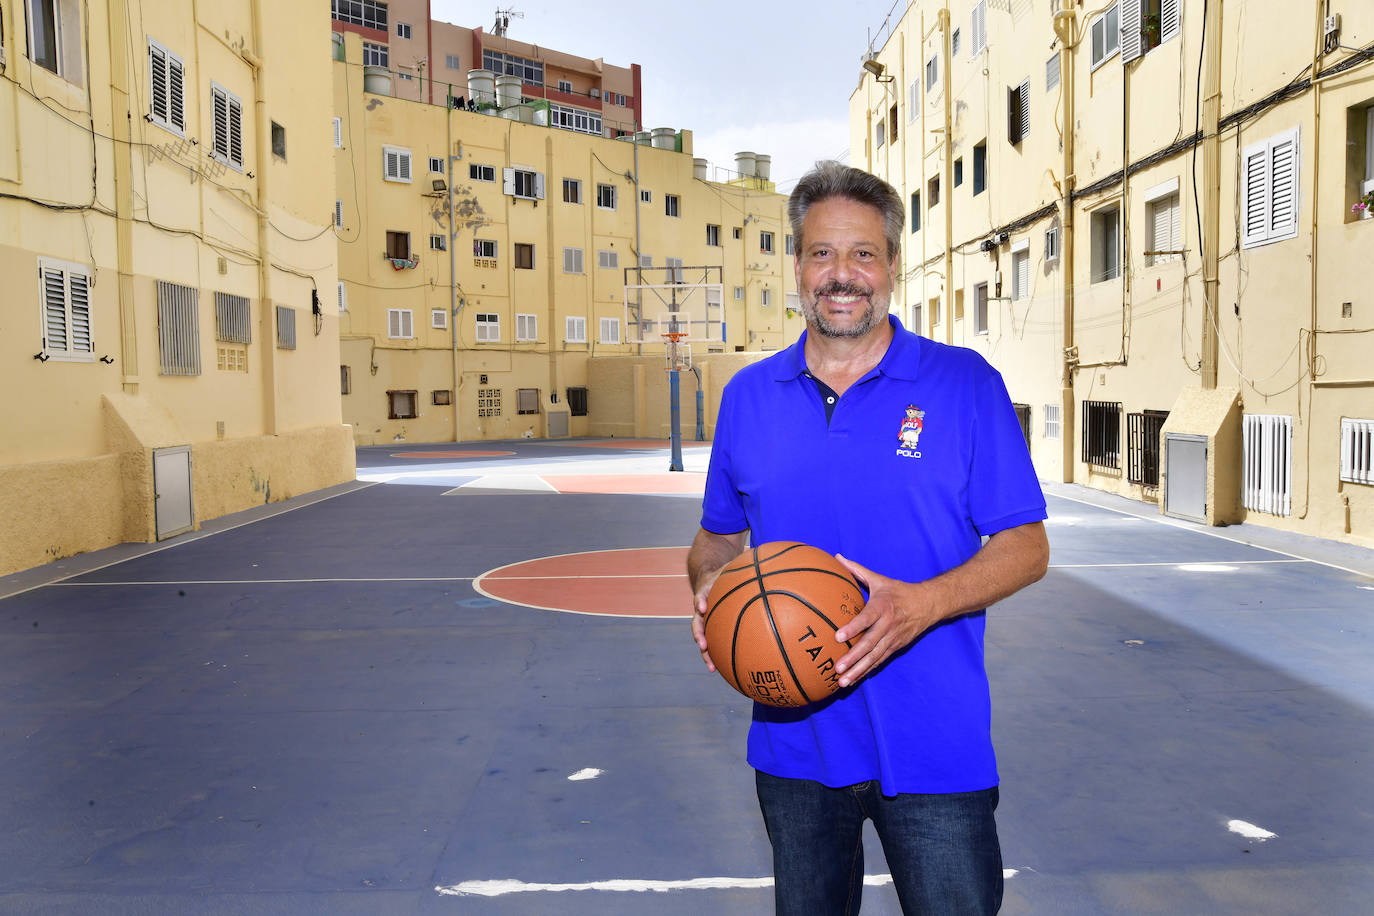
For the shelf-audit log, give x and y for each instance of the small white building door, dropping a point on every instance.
(172, 490)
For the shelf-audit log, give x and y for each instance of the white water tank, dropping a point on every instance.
(745, 163)
(699, 167)
(664, 138)
(482, 87)
(643, 137)
(376, 80)
(508, 90)
(763, 164)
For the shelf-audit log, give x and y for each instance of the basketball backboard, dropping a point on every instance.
(684, 302)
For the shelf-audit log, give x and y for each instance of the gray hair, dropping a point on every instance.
(831, 179)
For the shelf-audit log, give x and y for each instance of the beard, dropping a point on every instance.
(863, 323)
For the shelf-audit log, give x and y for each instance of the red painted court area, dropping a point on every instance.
(457, 453)
(635, 444)
(673, 482)
(641, 582)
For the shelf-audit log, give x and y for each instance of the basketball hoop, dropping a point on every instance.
(678, 355)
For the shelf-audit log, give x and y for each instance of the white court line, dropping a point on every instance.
(264, 581)
(501, 888)
(1175, 563)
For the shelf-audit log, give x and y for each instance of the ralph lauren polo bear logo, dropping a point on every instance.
(910, 433)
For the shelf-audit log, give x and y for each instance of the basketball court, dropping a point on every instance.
(465, 684)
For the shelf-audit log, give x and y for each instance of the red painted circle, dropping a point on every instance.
(639, 582)
(469, 453)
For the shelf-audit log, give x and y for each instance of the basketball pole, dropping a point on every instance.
(676, 419)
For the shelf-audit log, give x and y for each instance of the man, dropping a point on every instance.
(899, 455)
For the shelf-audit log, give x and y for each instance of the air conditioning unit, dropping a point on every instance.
(595, 93)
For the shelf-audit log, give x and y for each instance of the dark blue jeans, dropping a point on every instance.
(942, 850)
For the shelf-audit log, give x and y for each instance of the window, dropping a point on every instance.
(979, 28)
(488, 402)
(1106, 36)
(438, 319)
(1052, 244)
(608, 260)
(345, 380)
(1267, 463)
(452, 62)
(712, 235)
(572, 191)
(233, 322)
(481, 172)
(646, 260)
(958, 171)
(980, 168)
(879, 134)
(572, 260)
(575, 329)
(1051, 421)
(166, 77)
(1018, 112)
(343, 297)
(739, 293)
(227, 110)
(338, 133)
(178, 329)
(738, 233)
(1269, 194)
(526, 327)
(398, 245)
(913, 101)
(488, 327)
(646, 196)
(766, 242)
(523, 184)
(1102, 433)
(577, 401)
(1357, 450)
(526, 400)
(375, 55)
(575, 119)
(564, 86)
(484, 248)
(402, 405)
(610, 330)
(55, 37)
(674, 266)
(1147, 24)
(278, 140)
(1142, 446)
(396, 164)
(369, 13)
(400, 324)
(934, 311)
(670, 205)
(1360, 140)
(765, 297)
(789, 245)
(65, 300)
(605, 196)
(916, 319)
(404, 76)
(932, 73)
(1020, 270)
(1162, 241)
(954, 42)
(436, 164)
(529, 71)
(1023, 416)
(524, 256)
(403, 30)
(915, 212)
(1106, 244)
(441, 397)
(892, 123)
(1052, 72)
(286, 327)
(438, 243)
(980, 308)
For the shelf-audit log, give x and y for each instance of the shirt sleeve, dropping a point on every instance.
(1004, 491)
(722, 506)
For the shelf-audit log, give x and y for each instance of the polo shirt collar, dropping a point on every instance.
(902, 359)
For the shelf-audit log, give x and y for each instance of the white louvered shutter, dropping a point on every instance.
(539, 185)
(1024, 91)
(157, 66)
(1254, 207)
(508, 181)
(979, 29)
(220, 105)
(1283, 186)
(1130, 31)
(79, 291)
(235, 131)
(54, 309)
(176, 93)
(1170, 19)
(338, 133)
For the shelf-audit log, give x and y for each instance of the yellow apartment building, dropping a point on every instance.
(499, 277)
(1147, 214)
(170, 333)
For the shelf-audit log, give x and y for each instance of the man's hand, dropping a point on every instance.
(709, 554)
(895, 615)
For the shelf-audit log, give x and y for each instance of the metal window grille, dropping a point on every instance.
(1267, 479)
(232, 319)
(1357, 450)
(178, 329)
(402, 405)
(1051, 421)
(577, 402)
(1023, 414)
(1142, 446)
(286, 327)
(1102, 433)
(526, 400)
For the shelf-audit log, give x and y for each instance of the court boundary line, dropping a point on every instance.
(503, 887)
(1182, 526)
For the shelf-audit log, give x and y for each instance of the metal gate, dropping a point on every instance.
(172, 490)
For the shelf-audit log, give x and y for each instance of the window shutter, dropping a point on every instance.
(1022, 281)
(539, 185)
(77, 286)
(54, 309)
(1255, 195)
(235, 131)
(338, 133)
(220, 105)
(343, 297)
(157, 64)
(979, 29)
(1024, 91)
(338, 213)
(508, 181)
(1130, 30)
(1170, 19)
(1283, 185)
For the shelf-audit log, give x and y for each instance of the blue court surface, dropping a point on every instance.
(316, 707)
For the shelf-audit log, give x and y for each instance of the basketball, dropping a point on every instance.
(771, 617)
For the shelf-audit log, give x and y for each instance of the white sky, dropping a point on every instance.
(772, 78)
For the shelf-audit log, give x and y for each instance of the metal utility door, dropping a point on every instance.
(172, 490)
(1185, 461)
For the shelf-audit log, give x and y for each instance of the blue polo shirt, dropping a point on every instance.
(920, 458)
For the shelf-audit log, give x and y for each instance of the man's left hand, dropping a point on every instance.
(896, 614)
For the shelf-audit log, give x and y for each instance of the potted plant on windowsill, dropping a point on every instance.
(1364, 206)
(1149, 30)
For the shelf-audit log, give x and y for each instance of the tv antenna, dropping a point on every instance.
(503, 21)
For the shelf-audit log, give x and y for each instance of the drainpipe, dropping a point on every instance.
(263, 155)
(549, 241)
(1064, 28)
(452, 258)
(1211, 207)
(124, 199)
(945, 181)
